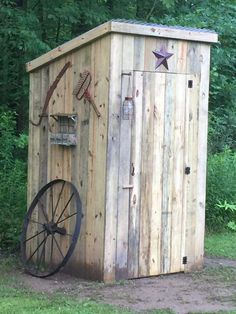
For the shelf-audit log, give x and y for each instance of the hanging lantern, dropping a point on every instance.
(128, 108)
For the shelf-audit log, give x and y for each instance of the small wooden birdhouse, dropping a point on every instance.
(121, 113)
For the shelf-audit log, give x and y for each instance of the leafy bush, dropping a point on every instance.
(13, 181)
(232, 208)
(221, 189)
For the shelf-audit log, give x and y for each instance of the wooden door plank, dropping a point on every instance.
(146, 177)
(158, 134)
(192, 145)
(193, 66)
(167, 174)
(177, 174)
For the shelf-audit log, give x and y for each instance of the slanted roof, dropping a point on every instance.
(125, 27)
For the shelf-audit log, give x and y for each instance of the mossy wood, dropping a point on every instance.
(141, 180)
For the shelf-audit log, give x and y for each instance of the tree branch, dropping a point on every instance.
(151, 11)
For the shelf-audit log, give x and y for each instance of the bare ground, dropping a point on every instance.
(210, 290)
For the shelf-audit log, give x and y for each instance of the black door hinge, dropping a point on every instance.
(190, 83)
(185, 260)
(187, 170)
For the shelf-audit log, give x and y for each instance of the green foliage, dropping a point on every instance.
(13, 181)
(221, 189)
(221, 244)
(232, 209)
(19, 42)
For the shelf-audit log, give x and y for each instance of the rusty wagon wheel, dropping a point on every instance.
(51, 228)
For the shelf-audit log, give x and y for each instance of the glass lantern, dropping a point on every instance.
(128, 108)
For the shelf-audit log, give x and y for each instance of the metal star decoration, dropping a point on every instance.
(162, 57)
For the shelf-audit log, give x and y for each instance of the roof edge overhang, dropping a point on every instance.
(125, 27)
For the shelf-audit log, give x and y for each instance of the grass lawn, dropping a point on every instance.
(221, 244)
(16, 301)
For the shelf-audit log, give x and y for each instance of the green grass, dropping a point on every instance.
(219, 312)
(221, 244)
(14, 301)
(164, 311)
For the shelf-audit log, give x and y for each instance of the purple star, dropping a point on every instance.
(162, 57)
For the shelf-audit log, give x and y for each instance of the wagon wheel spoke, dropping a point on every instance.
(58, 200)
(34, 235)
(51, 253)
(58, 246)
(43, 210)
(67, 217)
(36, 222)
(62, 213)
(41, 254)
(36, 249)
(51, 195)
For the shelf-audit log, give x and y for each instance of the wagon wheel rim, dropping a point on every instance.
(51, 228)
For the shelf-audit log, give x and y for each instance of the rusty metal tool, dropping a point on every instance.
(50, 92)
(81, 90)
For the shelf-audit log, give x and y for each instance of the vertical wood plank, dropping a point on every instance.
(202, 152)
(134, 212)
(158, 133)
(124, 163)
(191, 144)
(139, 53)
(56, 105)
(34, 152)
(146, 178)
(192, 102)
(44, 142)
(112, 157)
(67, 154)
(177, 174)
(97, 158)
(82, 62)
(124, 180)
(43, 154)
(167, 174)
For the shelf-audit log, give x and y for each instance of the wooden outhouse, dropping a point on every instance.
(137, 147)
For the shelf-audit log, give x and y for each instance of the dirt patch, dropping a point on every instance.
(210, 290)
(219, 261)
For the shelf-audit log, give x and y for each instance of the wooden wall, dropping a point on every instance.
(122, 241)
(83, 165)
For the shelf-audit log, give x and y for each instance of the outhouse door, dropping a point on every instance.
(157, 170)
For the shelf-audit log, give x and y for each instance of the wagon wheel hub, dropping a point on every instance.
(52, 228)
